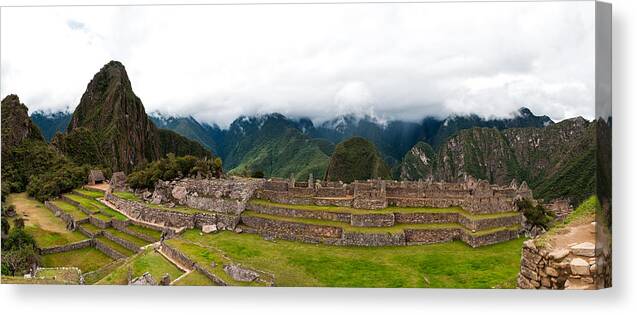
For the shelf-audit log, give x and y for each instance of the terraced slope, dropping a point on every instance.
(385, 227)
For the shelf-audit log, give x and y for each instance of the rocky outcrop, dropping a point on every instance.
(16, 125)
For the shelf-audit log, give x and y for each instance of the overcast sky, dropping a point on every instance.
(392, 61)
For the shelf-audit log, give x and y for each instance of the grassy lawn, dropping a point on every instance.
(76, 213)
(47, 229)
(146, 231)
(204, 256)
(102, 217)
(137, 241)
(114, 214)
(397, 228)
(147, 261)
(126, 195)
(90, 193)
(446, 265)
(87, 259)
(66, 275)
(92, 205)
(90, 227)
(119, 248)
(194, 278)
(22, 280)
(386, 210)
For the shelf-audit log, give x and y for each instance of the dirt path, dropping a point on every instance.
(584, 232)
(35, 213)
(102, 186)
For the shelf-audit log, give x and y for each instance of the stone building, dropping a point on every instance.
(95, 177)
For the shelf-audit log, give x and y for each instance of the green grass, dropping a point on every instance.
(114, 214)
(92, 205)
(90, 227)
(204, 256)
(44, 238)
(22, 280)
(119, 248)
(146, 231)
(102, 217)
(194, 278)
(103, 271)
(147, 261)
(90, 193)
(87, 259)
(74, 211)
(446, 265)
(397, 228)
(137, 241)
(126, 195)
(385, 210)
(584, 212)
(46, 229)
(66, 275)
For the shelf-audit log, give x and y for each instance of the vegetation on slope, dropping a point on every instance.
(171, 168)
(356, 159)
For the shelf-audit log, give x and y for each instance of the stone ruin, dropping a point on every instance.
(473, 195)
(95, 177)
(118, 181)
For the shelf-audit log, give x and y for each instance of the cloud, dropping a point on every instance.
(395, 61)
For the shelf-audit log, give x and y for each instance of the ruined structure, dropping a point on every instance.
(95, 177)
(475, 196)
(364, 213)
(118, 181)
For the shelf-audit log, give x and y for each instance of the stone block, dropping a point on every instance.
(559, 254)
(580, 267)
(584, 249)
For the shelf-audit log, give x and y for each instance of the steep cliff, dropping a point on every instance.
(556, 161)
(112, 122)
(16, 125)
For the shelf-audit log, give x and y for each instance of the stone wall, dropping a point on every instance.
(419, 218)
(285, 228)
(67, 247)
(121, 241)
(76, 204)
(107, 250)
(489, 223)
(373, 219)
(183, 260)
(475, 196)
(489, 239)
(583, 266)
(99, 223)
(163, 217)
(433, 236)
(311, 233)
(297, 213)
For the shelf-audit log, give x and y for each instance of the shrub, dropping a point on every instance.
(257, 174)
(536, 215)
(57, 181)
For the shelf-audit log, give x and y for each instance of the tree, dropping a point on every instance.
(536, 215)
(218, 165)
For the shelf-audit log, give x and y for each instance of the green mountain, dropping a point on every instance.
(24, 151)
(111, 123)
(187, 127)
(556, 161)
(273, 145)
(419, 162)
(356, 159)
(51, 123)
